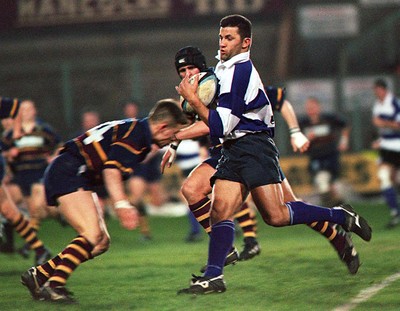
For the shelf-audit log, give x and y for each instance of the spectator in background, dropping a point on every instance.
(386, 118)
(145, 178)
(90, 119)
(329, 137)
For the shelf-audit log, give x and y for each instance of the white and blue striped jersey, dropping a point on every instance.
(243, 106)
(388, 109)
(188, 154)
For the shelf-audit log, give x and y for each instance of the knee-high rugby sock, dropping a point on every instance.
(303, 213)
(77, 252)
(201, 210)
(29, 234)
(221, 241)
(329, 231)
(246, 221)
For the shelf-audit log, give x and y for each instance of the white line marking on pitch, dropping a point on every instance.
(367, 293)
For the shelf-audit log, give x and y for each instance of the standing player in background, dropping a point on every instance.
(107, 154)
(386, 117)
(340, 241)
(249, 163)
(329, 137)
(9, 109)
(146, 179)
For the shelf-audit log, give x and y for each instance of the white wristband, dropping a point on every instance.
(299, 139)
(122, 204)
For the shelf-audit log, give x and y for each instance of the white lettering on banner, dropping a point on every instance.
(203, 7)
(33, 12)
(47, 12)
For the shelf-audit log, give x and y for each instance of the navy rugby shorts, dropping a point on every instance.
(252, 160)
(64, 176)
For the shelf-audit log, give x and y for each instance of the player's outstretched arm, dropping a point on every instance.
(125, 211)
(195, 130)
(298, 141)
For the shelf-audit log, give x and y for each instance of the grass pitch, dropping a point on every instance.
(296, 270)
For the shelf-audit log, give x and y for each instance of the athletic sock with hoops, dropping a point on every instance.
(247, 221)
(201, 210)
(329, 231)
(77, 252)
(29, 234)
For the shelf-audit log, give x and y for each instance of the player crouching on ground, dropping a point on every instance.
(107, 153)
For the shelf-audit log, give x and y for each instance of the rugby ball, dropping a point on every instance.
(207, 90)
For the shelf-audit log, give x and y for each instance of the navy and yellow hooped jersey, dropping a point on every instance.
(33, 148)
(8, 107)
(120, 144)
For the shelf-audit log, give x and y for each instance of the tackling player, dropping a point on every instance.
(107, 153)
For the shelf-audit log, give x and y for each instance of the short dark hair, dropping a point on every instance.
(168, 110)
(380, 83)
(238, 21)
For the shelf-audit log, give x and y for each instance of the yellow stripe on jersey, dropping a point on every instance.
(129, 148)
(84, 154)
(119, 166)
(100, 151)
(279, 94)
(128, 132)
(14, 108)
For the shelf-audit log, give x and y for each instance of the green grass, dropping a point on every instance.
(297, 270)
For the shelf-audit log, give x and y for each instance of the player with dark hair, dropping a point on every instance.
(243, 120)
(9, 108)
(386, 117)
(107, 153)
(341, 241)
(196, 188)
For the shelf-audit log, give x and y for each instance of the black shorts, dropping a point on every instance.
(391, 157)
(212, 161)
(63, 176)
(252, 160)
(330, 163)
